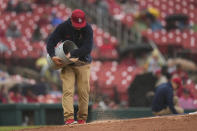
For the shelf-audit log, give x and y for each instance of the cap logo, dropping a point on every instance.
(79, 20)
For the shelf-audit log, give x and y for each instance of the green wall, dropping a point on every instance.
(52, 114)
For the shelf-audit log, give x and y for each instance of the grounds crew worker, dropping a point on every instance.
(164, 101)
(75, 29)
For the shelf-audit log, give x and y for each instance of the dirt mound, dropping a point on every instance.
(164, 123)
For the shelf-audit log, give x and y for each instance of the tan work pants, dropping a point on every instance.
(167, 111)
(80, 75)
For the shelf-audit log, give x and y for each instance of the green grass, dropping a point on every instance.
(11, 128)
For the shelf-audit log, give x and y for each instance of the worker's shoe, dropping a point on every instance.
(70, 121)
(81, 121)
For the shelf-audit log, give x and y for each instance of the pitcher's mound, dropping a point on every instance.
(164, 123)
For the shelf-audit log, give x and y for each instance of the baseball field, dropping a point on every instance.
(186, 122)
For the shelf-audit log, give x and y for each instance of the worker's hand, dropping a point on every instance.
(68, 55)
(71, 59)
(58, 61)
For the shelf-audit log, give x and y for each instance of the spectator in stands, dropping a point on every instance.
(153, 63)
(164, 101)
(23, 6)
(13, 31)
(152, 20)
(14, 95)
(37, 35)
(41, 86)
(96, 101)
(171, 65)
(149, 16)
(102, 103)
(107, 103)
(176, 21)
(112, 104)
(165, 72)
(185, 101)
(123, 105)
(46, 72)
(54, 91)
(3, 95)
(107, 45)
(55, 20)
(181, 73)
(10, 6)
(41, 65)
(30, 97)
(160, 77)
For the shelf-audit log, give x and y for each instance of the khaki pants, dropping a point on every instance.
(80, 75)
(167, 110)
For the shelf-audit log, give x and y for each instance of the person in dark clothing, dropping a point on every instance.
(13, 31)
(23, 6)
(10, 6)
(37, 35)
(55, 20)
(75, 29)
(30, 96)
(164, 101)
(176, 21)
(82, 37)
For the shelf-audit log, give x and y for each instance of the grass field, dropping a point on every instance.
(11, 128)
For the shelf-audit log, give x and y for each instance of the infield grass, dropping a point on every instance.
(13, 128)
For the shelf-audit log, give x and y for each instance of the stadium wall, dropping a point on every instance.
(52, 114)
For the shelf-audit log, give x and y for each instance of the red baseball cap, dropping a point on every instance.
(158, 72)
(178, 81)
(78, 18)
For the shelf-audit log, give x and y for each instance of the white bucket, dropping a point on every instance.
(59, 52)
